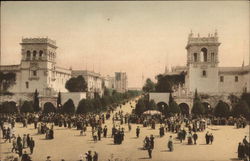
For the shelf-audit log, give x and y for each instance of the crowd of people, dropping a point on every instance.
(181, 126)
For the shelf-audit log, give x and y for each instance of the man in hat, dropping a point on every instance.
(32, 145)
(137, 131)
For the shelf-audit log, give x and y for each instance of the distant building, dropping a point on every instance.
(109, 82)
(121, 82)
(94, 81)
(38, 69)
(203, 72)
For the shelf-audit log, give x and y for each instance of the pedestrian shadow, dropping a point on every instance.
(164, 150)
(235, 159)
(144, 158)
(141, 148)
(43, 139)
(6, 152)
(79, 135)
(203, 144)
(35, 134)
(134, 138)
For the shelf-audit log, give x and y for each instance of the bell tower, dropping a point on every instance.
(37, 64)
(202, 63)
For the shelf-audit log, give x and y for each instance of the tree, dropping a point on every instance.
(82, 107)
(97, 104)
(26, 107)
(49, 107)
(140, 107)
(198, 108)
(106, 92)
(77, 84)
(36, 102)
(221, 109)
(149, 86)
(241, 108)
(233, 99)
(7, 80)
(173, 106)
(59, 100)
(152, 105)
(8, 107)
(68, 107)
(196, 96)
(163, 84)
(246, 97)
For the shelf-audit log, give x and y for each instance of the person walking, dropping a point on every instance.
(170, 144)
(8, 135)
(211, 138)
(241, 153)
(25, 157)
(129, 127)
(32, 145)
(137, 131)
(24, 141)
(105, 130)
(195, 137)
(152, 141)
(14, 145)
(207, 138)
(149, 148)
(95, 157)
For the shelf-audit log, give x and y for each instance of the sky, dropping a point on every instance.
(139, 38)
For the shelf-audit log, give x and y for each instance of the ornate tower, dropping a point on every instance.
(202, 62)
(37, 64)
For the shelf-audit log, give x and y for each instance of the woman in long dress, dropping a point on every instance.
(170, 144)
(189, 136)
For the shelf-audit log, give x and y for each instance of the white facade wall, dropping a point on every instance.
(203, 83)
(39, 56)
(159, 97)
(75, 96)
(229, 85)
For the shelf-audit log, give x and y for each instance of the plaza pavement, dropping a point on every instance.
(69, 145)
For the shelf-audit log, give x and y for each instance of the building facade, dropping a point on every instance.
(204, 73)
(121, 82)
(37, 69)
(93, 80)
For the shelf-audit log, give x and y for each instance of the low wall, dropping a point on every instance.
(159, 97)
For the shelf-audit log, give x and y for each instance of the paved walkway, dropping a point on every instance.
(69, 145)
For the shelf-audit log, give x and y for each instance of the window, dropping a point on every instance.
(27, 84)
(212, 57)
(204, 55)
(236, 79)
(34, 73)
(34, 55)
(28, 55)
(195, 57)
(204, 73)
(221, 78)
(40, 54)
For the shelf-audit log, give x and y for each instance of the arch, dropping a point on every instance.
(162, 106)
(203, 55)
(208, 107)
(184, 108)
(28, 55)
(204, 73)
(195, 57)
(40, 54)
(34, 54)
